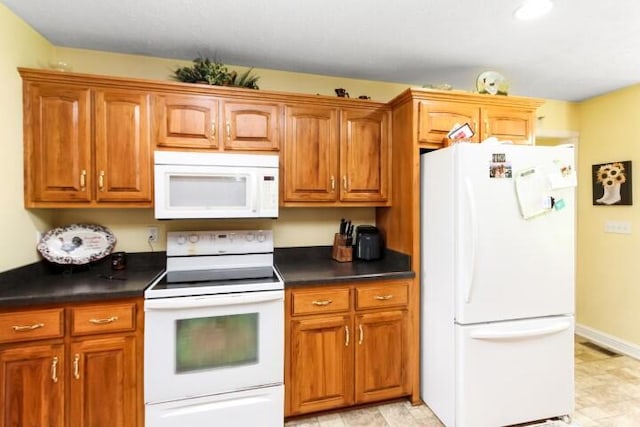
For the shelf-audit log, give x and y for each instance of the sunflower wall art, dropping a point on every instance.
(612, 183)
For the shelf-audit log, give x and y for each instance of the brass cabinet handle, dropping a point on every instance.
(383, 297)
(361, 334)
(27, 328)
(54, 369)
(228, 130)
(333, 183)
(104, 321)
(346, 336)
(83, 179)
(76, 366)
(322, 302)
(213, 128)
(101, 181)
(344, 182)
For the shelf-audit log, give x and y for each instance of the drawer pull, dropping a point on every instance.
(104, 321)
(28, 328)
(54, 369)
(322, 302)
(346, 336)
(76, 366)
(383, 297)
(361, 334)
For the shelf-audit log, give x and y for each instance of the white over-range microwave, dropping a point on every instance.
(215, 185)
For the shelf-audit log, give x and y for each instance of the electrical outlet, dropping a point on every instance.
(152, 234)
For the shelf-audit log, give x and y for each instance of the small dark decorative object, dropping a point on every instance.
(215, 73)
(612, 183)
(342, 93)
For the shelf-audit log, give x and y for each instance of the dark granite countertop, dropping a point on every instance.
(45, 283)
(314, 265)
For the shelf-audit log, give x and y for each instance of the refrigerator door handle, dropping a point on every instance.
(474, 239)
(526, 333)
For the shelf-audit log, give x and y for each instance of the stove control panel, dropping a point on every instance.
(184, 243)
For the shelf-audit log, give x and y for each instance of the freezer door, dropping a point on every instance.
(505, 266)
(514, 372)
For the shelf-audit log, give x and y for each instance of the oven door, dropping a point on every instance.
(198, 346)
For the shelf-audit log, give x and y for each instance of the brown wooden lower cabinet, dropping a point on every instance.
(85, 369)
(345, 345)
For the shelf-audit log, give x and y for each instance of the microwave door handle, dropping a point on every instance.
(209, 301)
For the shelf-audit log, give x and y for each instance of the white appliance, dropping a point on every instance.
(215, 185)
(497, 283)
(214, 333)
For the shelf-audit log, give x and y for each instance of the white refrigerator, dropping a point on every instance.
(497, 283)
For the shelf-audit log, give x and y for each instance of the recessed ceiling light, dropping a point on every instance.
(531, 9)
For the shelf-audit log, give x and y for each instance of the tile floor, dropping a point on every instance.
(607, 395)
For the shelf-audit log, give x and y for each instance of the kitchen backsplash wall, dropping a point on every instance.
(294, 226)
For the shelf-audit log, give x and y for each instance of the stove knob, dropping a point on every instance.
(193, 238)
(261, 237)
(232, 236)
(250, 237)
(181, 240)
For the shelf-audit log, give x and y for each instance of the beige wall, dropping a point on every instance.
(608, 295)
(20, 45)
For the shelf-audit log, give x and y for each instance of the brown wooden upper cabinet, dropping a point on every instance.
(85, 146)
(437, 118)
(212, 123)
(185, 121)
(336, 156)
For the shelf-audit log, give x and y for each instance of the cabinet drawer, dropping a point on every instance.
(31, 325)
(320, 301)
(96, 319)
(392, 294)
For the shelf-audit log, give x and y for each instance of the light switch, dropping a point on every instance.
(619, 227)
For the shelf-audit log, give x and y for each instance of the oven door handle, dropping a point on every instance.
(209, 301)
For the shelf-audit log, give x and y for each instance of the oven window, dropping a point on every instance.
(215, 342)
(211, 191)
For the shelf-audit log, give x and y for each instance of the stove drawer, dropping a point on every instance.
(103, 318)
(320, 301)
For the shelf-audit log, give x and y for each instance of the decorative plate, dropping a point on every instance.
(77, 244)
(491, 82)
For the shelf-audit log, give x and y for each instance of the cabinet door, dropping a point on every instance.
(311, 154)
(122, 144)
(57, 144)
(364, 156)
(321, 364)
(185, 121)
(507, 124)
(436, 119)
(251, 126)
(32, 386)
(381, 355)
(103, 386)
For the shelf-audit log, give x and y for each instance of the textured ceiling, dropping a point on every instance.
(581, 49)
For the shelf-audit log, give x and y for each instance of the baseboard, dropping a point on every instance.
(608, 341)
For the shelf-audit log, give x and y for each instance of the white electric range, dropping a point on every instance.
(214, 332)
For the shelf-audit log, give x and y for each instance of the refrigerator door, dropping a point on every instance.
(514, 372)
(506, 266)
